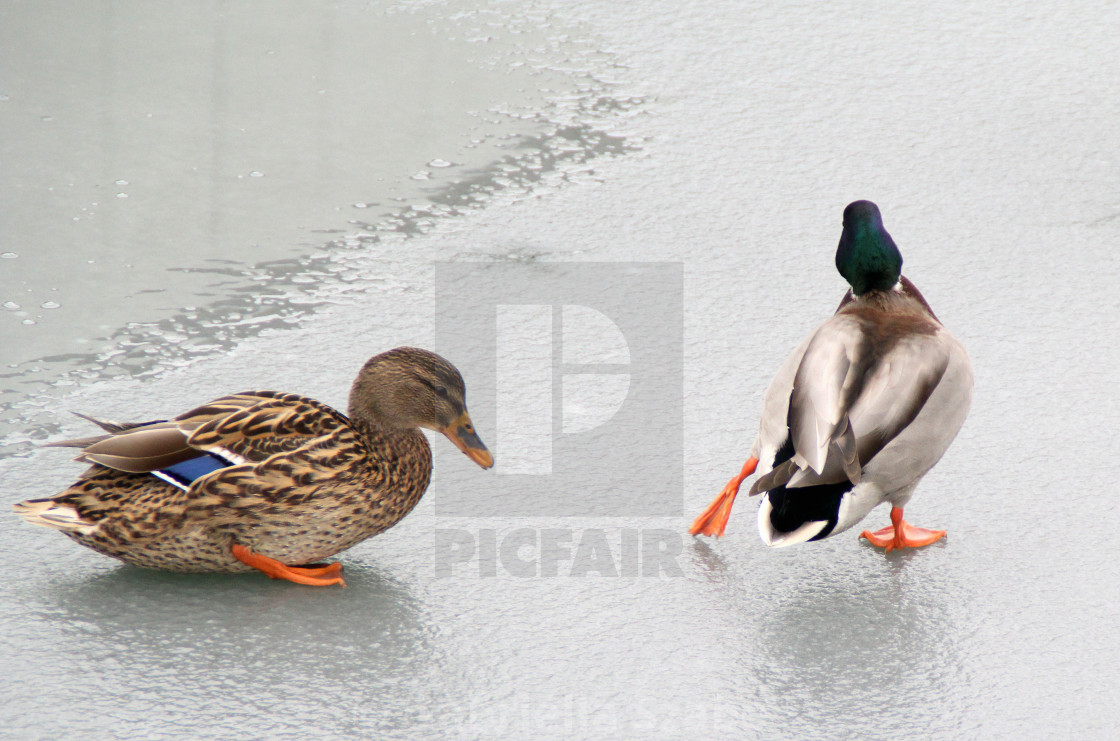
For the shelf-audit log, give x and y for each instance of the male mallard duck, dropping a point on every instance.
(265, 480)
(860, 411)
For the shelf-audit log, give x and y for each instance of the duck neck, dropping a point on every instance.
(905, 298)
(374, 427)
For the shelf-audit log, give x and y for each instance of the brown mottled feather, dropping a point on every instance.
(272, 423)
(307, 482)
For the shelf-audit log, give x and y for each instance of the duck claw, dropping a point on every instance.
(314, 575)
(713, 520)
(901, 534)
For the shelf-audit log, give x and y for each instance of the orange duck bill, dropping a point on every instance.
(461, 432)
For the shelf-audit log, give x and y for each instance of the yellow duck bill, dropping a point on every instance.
(461, 432)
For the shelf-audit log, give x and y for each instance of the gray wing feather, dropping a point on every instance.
(823, 387)
(851, 397)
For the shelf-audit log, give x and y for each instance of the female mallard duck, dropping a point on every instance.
(265, 480)
(860, 411)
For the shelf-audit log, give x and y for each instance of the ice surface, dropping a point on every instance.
(986, 133)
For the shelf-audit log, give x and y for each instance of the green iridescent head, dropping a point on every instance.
(867, 257)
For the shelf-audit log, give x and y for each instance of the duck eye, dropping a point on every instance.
(441, 392)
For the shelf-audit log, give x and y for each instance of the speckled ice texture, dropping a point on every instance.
(726, 137)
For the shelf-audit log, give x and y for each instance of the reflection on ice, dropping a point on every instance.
(141, 658)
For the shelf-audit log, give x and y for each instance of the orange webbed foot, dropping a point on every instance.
(901, 534)
(713, 520)
(318, 569)
(313, 575)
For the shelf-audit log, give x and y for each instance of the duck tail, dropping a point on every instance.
(54, 514)
(112, 428)
(776, 538)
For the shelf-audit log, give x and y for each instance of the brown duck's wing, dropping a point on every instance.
(141, 447)
(111, 428)
(290, 478)
(138, 449)
(251, 427)
(311, 444)
(242, 428)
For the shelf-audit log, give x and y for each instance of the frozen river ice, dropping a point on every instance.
(719, 139)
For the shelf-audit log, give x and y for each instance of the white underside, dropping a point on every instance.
(776, 539)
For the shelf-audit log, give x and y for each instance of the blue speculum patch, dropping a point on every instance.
(185, 473)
